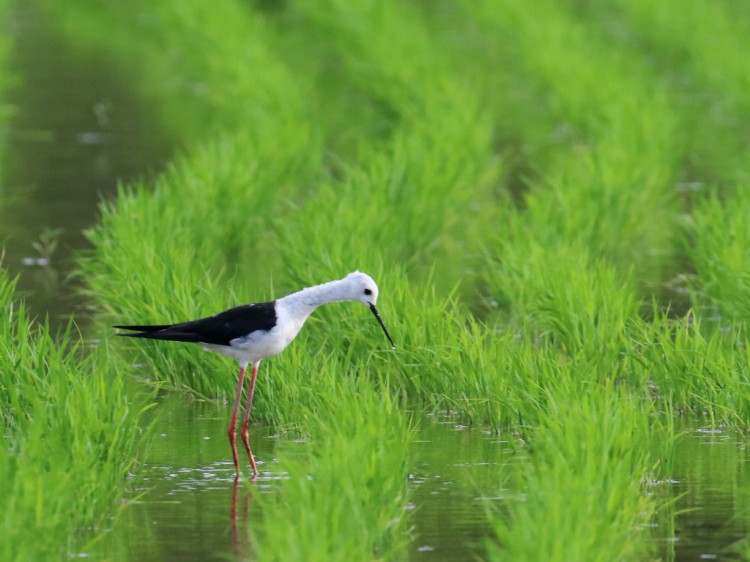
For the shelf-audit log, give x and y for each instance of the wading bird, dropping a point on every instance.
(252, 332)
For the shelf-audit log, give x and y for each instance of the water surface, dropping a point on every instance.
(77, 130)
(187, 507)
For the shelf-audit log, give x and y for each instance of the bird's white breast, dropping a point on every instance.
(261, 344)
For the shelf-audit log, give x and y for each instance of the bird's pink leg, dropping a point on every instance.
(233, 422)
(246, 419)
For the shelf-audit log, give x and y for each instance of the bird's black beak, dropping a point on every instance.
(382, 325)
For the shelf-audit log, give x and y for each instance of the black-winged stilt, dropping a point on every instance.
(252, 332)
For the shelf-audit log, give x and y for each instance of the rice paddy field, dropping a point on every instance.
(553, 198)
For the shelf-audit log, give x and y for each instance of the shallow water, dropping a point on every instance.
(188, 508)
(78, 129)
(711, 478)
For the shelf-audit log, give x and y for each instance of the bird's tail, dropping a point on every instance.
(144, 329)
(170, 332)
(153, 332)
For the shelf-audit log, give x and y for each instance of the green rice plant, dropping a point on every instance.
(345, 495)
(445, 359)
(581, 304)
(694, 53)
(436, 171)
(585, 496)
(720, 253)
(694, 371)
(609, 187)
(449, 360)
(71, 434)
(710, 48)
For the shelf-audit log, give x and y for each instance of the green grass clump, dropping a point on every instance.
(585, 496)
(721, 254)
(438, 172)
(607, 189)
(345, 495)
(589, 313)
(70, 435)
(691, 369)
(695, 54)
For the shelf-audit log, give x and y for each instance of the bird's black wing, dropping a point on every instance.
(218, 329)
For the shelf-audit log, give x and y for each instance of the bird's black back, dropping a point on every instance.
(218, 329)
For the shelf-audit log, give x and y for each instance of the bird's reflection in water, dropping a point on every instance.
(239, 513)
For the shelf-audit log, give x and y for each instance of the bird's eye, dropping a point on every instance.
(368, 292)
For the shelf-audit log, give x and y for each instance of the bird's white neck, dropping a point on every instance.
(312, 297)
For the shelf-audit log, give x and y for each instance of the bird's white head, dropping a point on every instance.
(356, 286)
(361, 287)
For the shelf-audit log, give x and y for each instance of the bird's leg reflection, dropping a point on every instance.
(243, 548)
